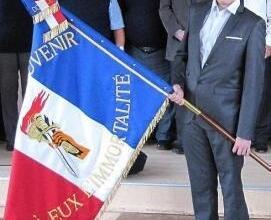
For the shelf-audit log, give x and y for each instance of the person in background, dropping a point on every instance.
(263, 128)
(2, 129)
(15, 46)
(146, 42)
(174, 14)
(224, 78)
(104, 16)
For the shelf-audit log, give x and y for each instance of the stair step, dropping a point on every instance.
(176, 199)
(165, 199)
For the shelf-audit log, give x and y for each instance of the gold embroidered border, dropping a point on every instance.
(55, 31)
(139, 147)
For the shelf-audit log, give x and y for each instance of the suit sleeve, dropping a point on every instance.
(179, 77)
(168, 17)
(253, 81)
(122, 5)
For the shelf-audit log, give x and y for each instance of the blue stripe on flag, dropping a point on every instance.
(87, 77)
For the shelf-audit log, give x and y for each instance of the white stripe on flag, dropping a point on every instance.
(42, 4)
(100, 170)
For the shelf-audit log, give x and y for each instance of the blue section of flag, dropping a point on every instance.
(91, 79)
(31, 7)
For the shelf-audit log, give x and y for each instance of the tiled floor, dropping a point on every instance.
(137, 216)
(5, 161)
(165, 167)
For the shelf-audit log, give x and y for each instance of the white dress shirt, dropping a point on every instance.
(262, 8)
(116, 20)
(213, 25)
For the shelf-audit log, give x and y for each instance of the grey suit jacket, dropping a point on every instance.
(229, 86)
(174, 14)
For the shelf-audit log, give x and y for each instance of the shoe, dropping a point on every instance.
(9, 147)
(261, 148)
(151, 141)
(178, 150)
(139, 164)
(164, 145)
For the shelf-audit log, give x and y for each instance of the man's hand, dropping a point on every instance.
(241, 147)
(179, 34)
(267, 51)
(177, 95)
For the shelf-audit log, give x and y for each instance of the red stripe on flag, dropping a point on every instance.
(50, 2)
(36, 192)
(59, 17)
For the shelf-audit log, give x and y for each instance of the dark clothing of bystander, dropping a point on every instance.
(15, 45)
(146, 42)
(2, 129)
(16, 27)
(94, 13)
(263, 126)
(142, 23)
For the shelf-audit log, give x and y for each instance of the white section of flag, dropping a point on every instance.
(42, 4)
(84, 131)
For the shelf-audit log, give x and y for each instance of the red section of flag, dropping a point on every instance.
(59, 17)
(36, 192)
(50, 2)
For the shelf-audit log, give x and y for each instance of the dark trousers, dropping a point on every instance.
(11, 64)
(156, 62)
(2, 131)
(208, 156)
(263, 126)
(176, 67)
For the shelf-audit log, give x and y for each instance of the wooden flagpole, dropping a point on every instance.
(225, 133)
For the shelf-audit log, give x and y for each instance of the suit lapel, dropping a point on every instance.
(199, 20)
(200, 16)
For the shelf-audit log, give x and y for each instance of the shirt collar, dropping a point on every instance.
(232, 8)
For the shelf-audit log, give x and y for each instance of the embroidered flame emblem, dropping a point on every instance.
(36, 107)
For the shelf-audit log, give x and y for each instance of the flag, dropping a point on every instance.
(87, 111)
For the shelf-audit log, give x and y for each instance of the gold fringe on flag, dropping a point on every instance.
(41, 16)
(55, 31)
(139, 147)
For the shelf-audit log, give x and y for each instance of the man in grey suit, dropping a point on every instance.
(224, 77)
(174, 14)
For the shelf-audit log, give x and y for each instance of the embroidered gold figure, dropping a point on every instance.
(41, 130)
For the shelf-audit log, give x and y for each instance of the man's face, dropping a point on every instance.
(224, 3)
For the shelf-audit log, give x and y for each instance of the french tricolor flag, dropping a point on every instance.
(87, 112)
